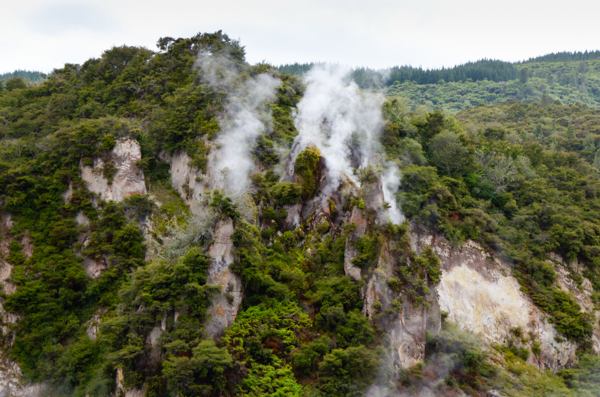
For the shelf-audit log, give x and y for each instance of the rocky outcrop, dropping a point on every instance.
(405, 322)
(11, 382)
(571, 279)
(128, 178)
(6, 225)
(372, 195)
(122, 391)
(156, 353)
(480, 295)
(189, 182)
(225, 305)
(360, 220)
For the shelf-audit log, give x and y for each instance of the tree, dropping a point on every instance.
(347, 372)
(200, 374)
(546, 100)
(597, 160)
(15, 83)
(523, 75)
(447, 153)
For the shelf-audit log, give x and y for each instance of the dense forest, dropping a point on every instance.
(516, 170)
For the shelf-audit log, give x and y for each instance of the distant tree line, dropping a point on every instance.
(566, 56)
(365, 77)
(27, 75)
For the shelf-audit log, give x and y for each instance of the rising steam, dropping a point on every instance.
(344, 123)
(390, 182)
(241, 124)
(335, 116)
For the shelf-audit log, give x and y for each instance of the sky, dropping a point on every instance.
(46, 34)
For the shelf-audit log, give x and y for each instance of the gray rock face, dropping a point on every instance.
(189, 181)
(582, 291)
(129, 178)
(122, 391)
(294, 216)
(225, 306)
(373, 199)
(360, 220)
(406, 324)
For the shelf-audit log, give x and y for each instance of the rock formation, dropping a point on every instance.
(225, 306)
(128, 179)
(480, 295)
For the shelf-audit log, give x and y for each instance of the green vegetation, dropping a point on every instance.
(569, 78)
(367, 78)
(48, 129)
(566, 83)
(519, 188)
(308, 171)
(26, 75)
(521, 178)
(456, 361)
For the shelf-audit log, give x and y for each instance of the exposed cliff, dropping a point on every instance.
(128, 177)
(480, 295)
(224, 306)
(189, 181)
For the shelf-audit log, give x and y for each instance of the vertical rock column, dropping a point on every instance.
(225, 306)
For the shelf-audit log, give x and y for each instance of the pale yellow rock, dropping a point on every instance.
(481, 296)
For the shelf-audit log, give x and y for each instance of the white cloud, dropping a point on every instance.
(43, 34)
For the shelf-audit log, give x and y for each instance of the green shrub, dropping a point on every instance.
(347, 372)
(308, 171)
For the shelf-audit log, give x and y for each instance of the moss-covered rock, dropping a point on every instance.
(308, 171)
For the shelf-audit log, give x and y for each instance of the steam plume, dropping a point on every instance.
(242, 122)
(390, 182)
(344, 123)
(336, 117)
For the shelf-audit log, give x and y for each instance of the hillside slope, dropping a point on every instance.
(180, 222)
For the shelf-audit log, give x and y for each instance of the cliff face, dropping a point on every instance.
(480, 295)
(477, 291)
(187, 180)
(407, 324)
(226, 304)
(128, 178)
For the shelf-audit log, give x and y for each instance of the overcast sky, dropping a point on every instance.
(45, 34)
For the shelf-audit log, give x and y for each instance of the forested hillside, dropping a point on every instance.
(300, 208)
(569, 78)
